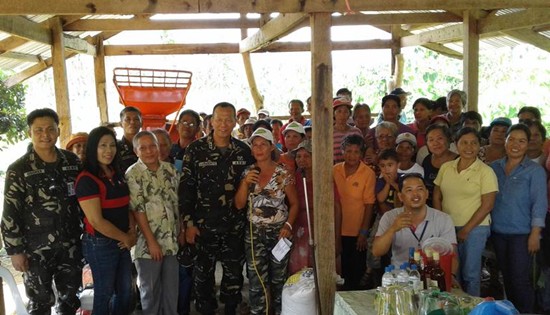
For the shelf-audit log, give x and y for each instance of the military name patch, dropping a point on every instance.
(208, 163)
(70, 168)
(35, 172)
(239, 162)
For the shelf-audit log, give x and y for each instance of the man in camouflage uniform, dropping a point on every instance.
(41, 220)
(212, 168)
(130, 121)
(153, 198)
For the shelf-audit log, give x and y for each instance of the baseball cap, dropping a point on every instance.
(306, 145)
(399, 91)
(341, 101)
(250, 121)
(242, 111)
(263, 133)
(406, 136)
(294, 126)
(263, 111)
(501, 121)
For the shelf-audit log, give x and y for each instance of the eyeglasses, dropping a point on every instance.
(187, 124)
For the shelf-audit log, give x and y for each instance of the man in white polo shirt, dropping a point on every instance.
(412, 224)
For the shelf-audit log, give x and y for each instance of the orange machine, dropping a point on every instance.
(157, 93)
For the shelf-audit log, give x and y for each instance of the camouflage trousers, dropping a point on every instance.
(228, 249)
(261, 264)
(62, 265)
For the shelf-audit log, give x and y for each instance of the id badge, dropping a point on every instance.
(70, 189)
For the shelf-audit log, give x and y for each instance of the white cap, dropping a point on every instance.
(262, 132)
(250, 121)
(406, 136)
(296, 127)
(263, 111)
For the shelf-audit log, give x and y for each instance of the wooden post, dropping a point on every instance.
(471, 60)
(61, 85)
(100, 81)
(256, 96)
(321, 78)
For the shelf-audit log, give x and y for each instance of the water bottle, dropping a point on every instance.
(387, 278)
(403, 275)
(414, 279)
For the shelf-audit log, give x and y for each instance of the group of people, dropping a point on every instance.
(231, 187)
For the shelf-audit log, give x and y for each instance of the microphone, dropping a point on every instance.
(251, 187)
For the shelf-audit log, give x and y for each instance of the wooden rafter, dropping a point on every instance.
(271, 31)
(355, 19)
(56, 7)
(531, 37)
(29, 30)
(184, 49)
(516, 20)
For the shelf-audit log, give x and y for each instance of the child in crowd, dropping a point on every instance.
(405, 145)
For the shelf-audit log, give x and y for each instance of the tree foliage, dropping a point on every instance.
(12, 113)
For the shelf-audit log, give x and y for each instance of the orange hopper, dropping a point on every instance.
(157, 93)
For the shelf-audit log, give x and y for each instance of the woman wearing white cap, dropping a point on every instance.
(265, 185)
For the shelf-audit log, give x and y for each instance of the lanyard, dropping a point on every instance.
(421, 235)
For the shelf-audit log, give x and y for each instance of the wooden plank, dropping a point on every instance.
(147, 24)
(20, 56)
(355, 19)
(395, 18)
(271, 31)
(530, 37)
(68, 7)
(100, 80)
(61, 85)
(442, 35)
(395, 49)
(471, 61)
(517, 20)
(441, 49)
(189, 49)
(27, 29)
(323, 191)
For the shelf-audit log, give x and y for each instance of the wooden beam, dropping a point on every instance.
(21, 56)
(271, 31)
(396, 47)
(148, 24)
(61, 85)
(29, 30)
(84, 25)
(323, 203)
(442, 35)
(71, 7)
(530, 37)
(471, 61)
(44, 65)
(439, 48)
(511, 21)
(24, 28)
(100, 80)
(189, 49)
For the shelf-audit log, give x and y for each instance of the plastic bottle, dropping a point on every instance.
(411, 255)
(388, 278)
(437, 275)
(402, 275)
(427, 271)
(414, 279)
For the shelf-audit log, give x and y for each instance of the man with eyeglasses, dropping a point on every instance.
(41, 224)
(412, 224)
(130, 121)
(188, 127)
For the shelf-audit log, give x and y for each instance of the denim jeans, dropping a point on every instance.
(469, 254)
(515, 264)
(112, 272)
(185, 287)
